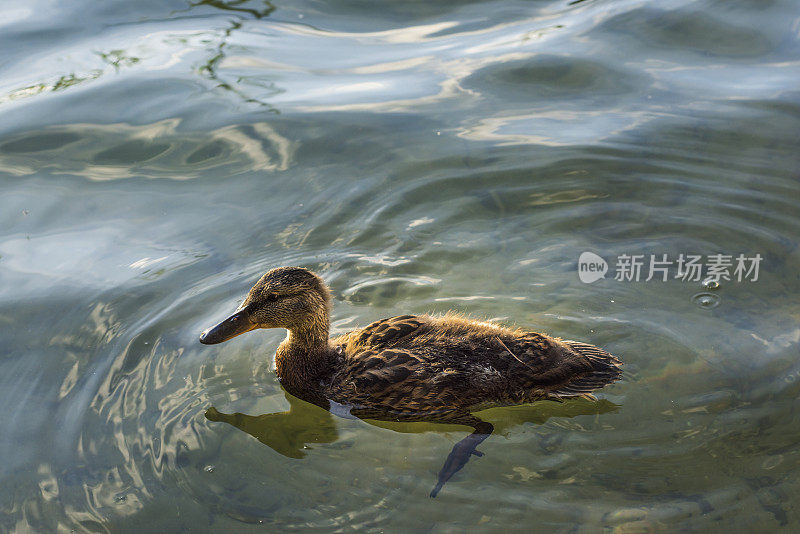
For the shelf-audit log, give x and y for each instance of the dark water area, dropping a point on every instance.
(157, 157)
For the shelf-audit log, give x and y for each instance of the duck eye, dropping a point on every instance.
(272, 297)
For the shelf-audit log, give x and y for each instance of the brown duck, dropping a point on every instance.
(411, 367)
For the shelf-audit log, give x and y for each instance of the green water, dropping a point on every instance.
(157, 157)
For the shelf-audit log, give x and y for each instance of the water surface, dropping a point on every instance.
(157, 157)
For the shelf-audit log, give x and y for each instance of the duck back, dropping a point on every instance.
(420, 363)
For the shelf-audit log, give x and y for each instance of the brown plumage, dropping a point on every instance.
(412, 367)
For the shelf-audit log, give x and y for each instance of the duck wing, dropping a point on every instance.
(420, 364)
(384, 333)
(389, 369)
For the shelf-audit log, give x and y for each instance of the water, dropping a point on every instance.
(157, 157)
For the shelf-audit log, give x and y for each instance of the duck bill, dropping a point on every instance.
(236, 324)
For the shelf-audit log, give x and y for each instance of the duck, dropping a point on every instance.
(430, 368)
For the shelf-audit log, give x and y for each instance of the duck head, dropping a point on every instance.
(288, 297)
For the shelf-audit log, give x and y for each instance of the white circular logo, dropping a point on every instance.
(591, 267)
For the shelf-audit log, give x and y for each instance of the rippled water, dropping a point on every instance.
(157, 157)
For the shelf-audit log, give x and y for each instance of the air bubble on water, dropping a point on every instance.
(209, 469)
(710, 284)
(706, 300)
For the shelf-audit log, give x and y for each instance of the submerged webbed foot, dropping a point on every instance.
(460, 454)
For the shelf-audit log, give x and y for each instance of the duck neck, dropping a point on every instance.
(303, 357)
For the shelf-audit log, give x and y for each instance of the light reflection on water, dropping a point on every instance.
(156, 158)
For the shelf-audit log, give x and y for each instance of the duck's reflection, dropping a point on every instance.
(288, 433)
(292, 432)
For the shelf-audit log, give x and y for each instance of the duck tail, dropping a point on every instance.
(606, 369)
